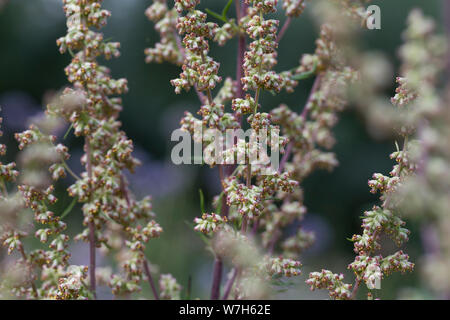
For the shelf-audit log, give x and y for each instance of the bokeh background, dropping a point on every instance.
(31, 69)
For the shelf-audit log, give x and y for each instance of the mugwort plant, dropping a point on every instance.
(262, 154)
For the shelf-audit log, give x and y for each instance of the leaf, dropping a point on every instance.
(219, 206)
(205, 239)
(202, 201)
(306, 75)
(69, 208)
(68, 131)
(227, 7)
(216, 15)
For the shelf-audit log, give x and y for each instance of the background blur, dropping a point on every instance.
(31, 68)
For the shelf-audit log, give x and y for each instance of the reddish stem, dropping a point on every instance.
(355, 288)
(286, 156)
(229, 284)
(284, 29)
(150, 279)
(241, 8)
(217, 277)
(33, 286)
(91, 225)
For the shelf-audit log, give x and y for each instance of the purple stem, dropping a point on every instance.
(229, 284)
(217, 277)
(150, 279)
(284, 29)
(241, 8)
(285, 158)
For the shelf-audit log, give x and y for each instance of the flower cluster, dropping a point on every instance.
(170, 289)
(7, 171)
(283, 267)
(367, 267)
(424, 55)
(261, 56)
(332, 282)
(114, 220)
(270, 203)
(39, 156)
(72, 285)
(199, 69)
(165, 20)
(209, 223)
(294, 8)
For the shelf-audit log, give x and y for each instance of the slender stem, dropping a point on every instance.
(210, 99)
(150, 279)
(355, 288)
(314, 89)
(33, 286)
(217, 277)
(284, 29)
(91, 225)
(3, 186)
(239, 65)
(304, 114)
(218, 264)
(73, 174)
(286, 155)
(92, 262)
(237, 4)
(230, 283)
(240, 11)
(124, 189)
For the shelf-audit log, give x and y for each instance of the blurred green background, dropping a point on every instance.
(31, 67)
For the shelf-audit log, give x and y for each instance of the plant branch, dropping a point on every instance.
(355, 288)
(284, 29)
(73, 174)
(91, 225)
(33, 286)
(150, 279)
(230, 283)
(217, 277)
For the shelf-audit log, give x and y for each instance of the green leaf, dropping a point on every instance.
(216, 15)
(205, 239)
(227, 7)
(306, 75)
(68, 131)
(202, 201)
(219, 206)
(69, 208)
